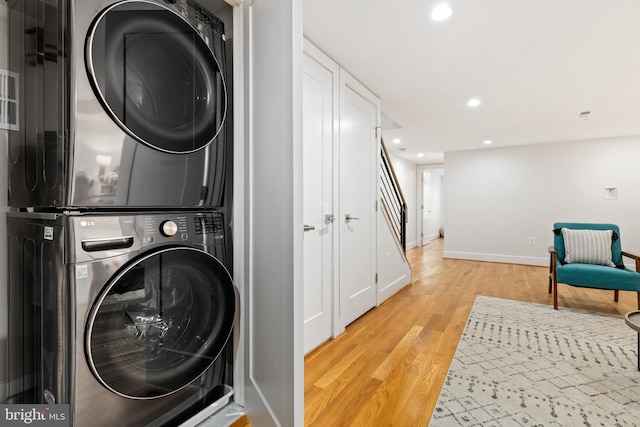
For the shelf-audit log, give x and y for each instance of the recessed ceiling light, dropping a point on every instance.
(420, 154)
(473, 102)
(441, 12)
(397, 141)
(487, 142)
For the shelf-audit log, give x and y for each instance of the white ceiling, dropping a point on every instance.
(534, 64)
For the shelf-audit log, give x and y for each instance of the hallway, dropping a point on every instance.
(387, 368)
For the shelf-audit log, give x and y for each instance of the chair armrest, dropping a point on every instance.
(552, 249)
(635, 257)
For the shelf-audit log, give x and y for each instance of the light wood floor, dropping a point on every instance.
(387, 368)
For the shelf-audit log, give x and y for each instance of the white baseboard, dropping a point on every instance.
(429, 239)
(509, 259)
(393, 287)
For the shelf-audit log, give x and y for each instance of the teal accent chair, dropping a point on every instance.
(618, 278)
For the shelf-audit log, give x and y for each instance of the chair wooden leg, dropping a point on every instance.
(615, 295)
(555, 295)
(550, 272)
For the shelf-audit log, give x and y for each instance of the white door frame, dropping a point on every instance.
(267, 216)
(419, 186)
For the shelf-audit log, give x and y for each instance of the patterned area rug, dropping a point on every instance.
(524, 364)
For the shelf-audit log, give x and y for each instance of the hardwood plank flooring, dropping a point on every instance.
(387, 368)
(243, 421)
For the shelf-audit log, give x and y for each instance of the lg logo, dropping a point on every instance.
(184, 8)
(87, 223)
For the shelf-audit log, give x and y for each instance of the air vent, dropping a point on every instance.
(8, 100)
(584, 115)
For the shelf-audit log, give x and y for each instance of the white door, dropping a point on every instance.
(317, 183)
(359, 118)
(269, 154)
(426, 207)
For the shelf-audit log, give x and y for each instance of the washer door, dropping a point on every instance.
(160, 323)
(156, 77)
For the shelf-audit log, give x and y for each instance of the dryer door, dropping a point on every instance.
(156, 77)
(160, 323)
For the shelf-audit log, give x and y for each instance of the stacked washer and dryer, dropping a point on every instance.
(121, 304)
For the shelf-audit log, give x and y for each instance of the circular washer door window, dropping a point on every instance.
(156, 77)
(160, 323)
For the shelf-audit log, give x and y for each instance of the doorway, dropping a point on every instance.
(430, 212)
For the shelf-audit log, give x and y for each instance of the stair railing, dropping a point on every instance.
(393, 201)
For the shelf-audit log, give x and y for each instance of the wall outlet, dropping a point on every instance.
(532, 240)
(611, 193)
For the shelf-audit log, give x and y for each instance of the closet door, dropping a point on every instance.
(319, 109)
(359, 121)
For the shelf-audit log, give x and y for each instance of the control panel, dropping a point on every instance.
(98, 233)
(210, 224)
(210, 21)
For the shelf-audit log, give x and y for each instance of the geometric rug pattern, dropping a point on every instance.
(525, 364)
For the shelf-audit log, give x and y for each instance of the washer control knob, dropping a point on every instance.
(168, 228)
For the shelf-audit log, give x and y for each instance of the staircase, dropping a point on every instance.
(393, 202)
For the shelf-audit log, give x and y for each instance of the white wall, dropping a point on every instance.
(406, 174)
(392, 265)
(273, 230)
(394, 270)
(496, 199)
(3, 223)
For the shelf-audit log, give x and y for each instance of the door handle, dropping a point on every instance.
(348, 217)
(309, 228)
